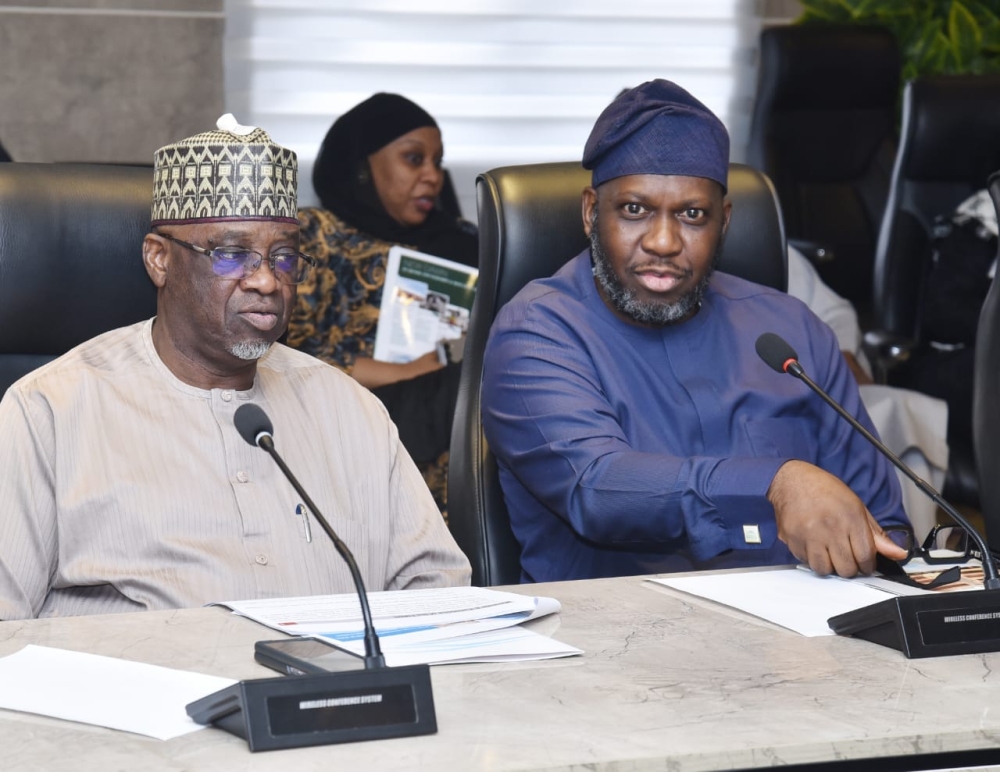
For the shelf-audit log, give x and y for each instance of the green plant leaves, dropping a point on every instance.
(965, 36)
(934, 36)
(825, 10)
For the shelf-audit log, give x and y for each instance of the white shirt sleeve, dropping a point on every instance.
(805, 284)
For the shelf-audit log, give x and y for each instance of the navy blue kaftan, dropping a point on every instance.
(629, 450)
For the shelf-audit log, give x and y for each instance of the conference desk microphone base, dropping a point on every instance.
(937, 625)
(297, 711)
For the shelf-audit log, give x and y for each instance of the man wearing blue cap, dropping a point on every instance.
(635, 427)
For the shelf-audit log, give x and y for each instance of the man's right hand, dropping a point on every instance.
(824, 523)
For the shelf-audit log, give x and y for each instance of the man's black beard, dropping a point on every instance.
(652, 312)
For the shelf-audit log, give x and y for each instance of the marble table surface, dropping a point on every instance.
(668, 681)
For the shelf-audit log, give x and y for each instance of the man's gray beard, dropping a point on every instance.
(249, 350)
(652, 312)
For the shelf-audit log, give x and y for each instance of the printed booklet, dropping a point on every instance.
(426, 300)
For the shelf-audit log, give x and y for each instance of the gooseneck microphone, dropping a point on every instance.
(318, 709)
(255, 427)
(780, 356)
(918, 625)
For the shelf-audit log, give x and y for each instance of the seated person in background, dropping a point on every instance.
(378, 175)
(635, 427)
(911, 424)
(124, 484)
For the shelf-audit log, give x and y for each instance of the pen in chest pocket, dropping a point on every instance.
(303, 513)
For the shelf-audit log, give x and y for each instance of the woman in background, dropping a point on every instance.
(378, 176)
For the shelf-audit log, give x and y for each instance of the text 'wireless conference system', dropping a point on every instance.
(372, 703)
(918, 625)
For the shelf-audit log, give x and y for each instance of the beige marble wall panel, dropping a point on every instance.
(107, 80)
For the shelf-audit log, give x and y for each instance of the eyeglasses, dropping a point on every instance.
(944, 544)
(238, 263)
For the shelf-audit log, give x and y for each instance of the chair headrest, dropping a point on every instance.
(828, 66)
(71, 253)
(951, 129)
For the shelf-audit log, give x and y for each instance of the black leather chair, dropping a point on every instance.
(70, 258)
(824, 131)
(949, 146)
(985, 406)
(530, 224)
(4, 155)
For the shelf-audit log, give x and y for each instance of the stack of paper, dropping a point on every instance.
(457, 624)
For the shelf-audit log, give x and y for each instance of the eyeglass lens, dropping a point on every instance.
(290, 268)
(947, 541)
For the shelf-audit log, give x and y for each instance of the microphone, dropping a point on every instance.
(918, 625)
(293, 711)
(255, 427)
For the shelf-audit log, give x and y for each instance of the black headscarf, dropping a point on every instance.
(343, 181)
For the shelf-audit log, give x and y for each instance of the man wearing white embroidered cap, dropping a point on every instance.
(124, 484)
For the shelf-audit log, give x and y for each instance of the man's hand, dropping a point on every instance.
(824, 524)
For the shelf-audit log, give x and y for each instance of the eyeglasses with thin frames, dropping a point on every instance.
(238, 263)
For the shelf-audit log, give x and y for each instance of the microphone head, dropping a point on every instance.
(252, 422)
(775, 351)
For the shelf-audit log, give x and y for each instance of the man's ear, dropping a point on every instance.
(589, 205)
(156, 258)
(727, 212)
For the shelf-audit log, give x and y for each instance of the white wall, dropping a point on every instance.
(509, 81)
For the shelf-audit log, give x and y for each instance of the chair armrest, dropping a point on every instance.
(816, 253)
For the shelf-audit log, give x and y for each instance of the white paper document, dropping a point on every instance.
(104, 691)
(414, 620)
(798, 600)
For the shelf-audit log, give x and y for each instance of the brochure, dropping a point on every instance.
(425, 300)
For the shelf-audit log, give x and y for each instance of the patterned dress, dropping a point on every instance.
(337, 308)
